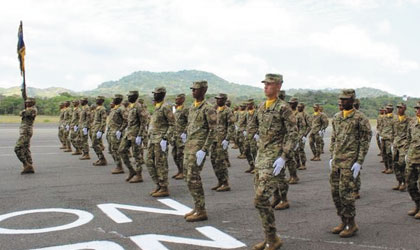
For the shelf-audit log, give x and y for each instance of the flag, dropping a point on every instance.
(21, 49)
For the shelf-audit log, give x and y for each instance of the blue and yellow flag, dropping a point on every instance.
(21, 49)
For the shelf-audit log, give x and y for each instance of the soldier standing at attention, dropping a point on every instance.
(99, 124)
(67, 119)
(74, 128)
(278, 137)
(108, 139)
(400, 146)
(251, 135)
(92, 116)
(378, 129)
(315, 136)
(350, 139)
(23, 144)
(117, 123)
(240, 128)
(219, 147)
(304, 127)
(413, 163)
(61, 127)
(84, 127)
(387, 133)
(160, 129)
(180, 135)
(291, 163)
(325, 123)
(134, 135)
(201, 128)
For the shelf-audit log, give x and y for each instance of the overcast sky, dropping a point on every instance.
(314, 44)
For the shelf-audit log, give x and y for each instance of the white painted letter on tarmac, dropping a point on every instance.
(218, 240)
(93, 245)
(112, 210)
(84, 218)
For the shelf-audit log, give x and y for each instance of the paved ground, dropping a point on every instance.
(62, 181)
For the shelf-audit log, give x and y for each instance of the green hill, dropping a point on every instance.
(35, 92)
(364, 92)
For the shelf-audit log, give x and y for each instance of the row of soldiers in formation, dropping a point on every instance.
(273, 134)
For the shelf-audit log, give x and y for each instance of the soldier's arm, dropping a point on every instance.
(124, 123)
(333, 135)
(184, 116)
(365, 134)
(103, 120)
(144, 119)
(230, 125)
(211, 118)
(170, 118)
(291, 137)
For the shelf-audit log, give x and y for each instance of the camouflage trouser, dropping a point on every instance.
(386, 153)
(114, 145)
(22, 148)
(157, 164)
(192, 175)
(300, 155)
(292, 165)
(378, 142)
(84, 142)
(413, 179)
(250, 149)
(314, 143)
(399, 164)
(61, 135)
(67, 138)
(137, 150)
(74, 138)
(178, 154)
(98, 146)
(240, 141)
(108, 139)
(358, 184)
(321, 144)
(92, 135)
(218, 160)
(342, 188)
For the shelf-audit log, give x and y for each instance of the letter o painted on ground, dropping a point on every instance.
(84, 218)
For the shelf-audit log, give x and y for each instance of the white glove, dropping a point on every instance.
(75, 128)
(320, 133)
(118, 134)
(380, 138)
(98, 135)
(85, 131)
(330, 163)
(278, 165)
(184, 137)
(304, 139)
(67, 127)
(225, 144)
(236, 127)
(245, 133)
(356, 169)
(200, 156)
(256, 137)
(163, 145)
(406, 158)
(392, 149)
(138, 140)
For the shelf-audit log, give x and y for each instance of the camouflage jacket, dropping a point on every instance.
(161, 123)
(251, 124)
(400, 133)
(413, 138)
(117, 120)
(201, 127)
(99, 120)
(325, 121)
(303, 123)
(316, 123)
(84, 121)
(67, 116)
(28, 117)
(379, 124)
(277, 129)
(350, 138)
(181, 121)
(75, 116)
(387, 131)
(225, 125)
(136, 121)
(61, 119)
(241, 121)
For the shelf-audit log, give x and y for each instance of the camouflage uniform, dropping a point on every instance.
(387, 133)
(61, 128)
(325, 123)
(74, 129)
(278, 137)
(413, 163)
(23, 144)
(181, 120)
(99, 124)
(400, 146)
(378, 131)
(315, 137)
(117, 122)
(84, 122)
(160, 129)
(304, 127)
(240, 128)
(67, 120)
(250, 144)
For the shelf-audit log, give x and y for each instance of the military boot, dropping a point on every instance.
(250, 169)
(350, 229)
(118, 169)
(273, 242)
(217, 186)
(403, 187)
(389, 171)
(396, 187)
(242, 156)
(155, 190)
(199, 215)
(339, 228)
(189, 213)
(163, 192)
(63, 146)
(276, 199)
(68, 150)
(137, 178)
(85, 157)
(100, 162)
(180, 176)
(282, 205)
(131, 174)
(224, 187)
(28, 169)
(318, 158)
(77, 152)
(417, 216)
(260, 245)
(303, 167)
(415, 210)
(293, 180)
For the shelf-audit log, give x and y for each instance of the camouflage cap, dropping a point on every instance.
(301, 104)
(140, 100)
(30, 99)
(273, 78)
(347, 94)
(316, 105)
(75, 101)
(401, 104)
(84, 99)
(389, 106)
(118, 96)
(133, 92)
(180, 95)
(356, 101)
(293, 100)
(242, 105)
(382, 109)
(250, 101)
(417, 105)
(199, 85)
(159, 90)
(100, 97)
(221, 96)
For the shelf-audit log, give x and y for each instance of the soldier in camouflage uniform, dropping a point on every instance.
(98, 127)
(251, 135)
(378, 129)
(66, 122)
(134, 135)
(160, 130)
(358, 182)
(387, 133)
(304, 127)
(278, 137)
(413, 163)
(325, 123)
(315, 136)
(108, 138)
(23, 144)
(74, 128)
(400, 146)
(117, 122)
(61, 127)
(219, 148)
(92, 116)
(180, 135)
(291, 163)
(201, 129)
(84, 127)
(350, 139)
(240, 127)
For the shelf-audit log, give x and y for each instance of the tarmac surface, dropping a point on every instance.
(79, 206)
